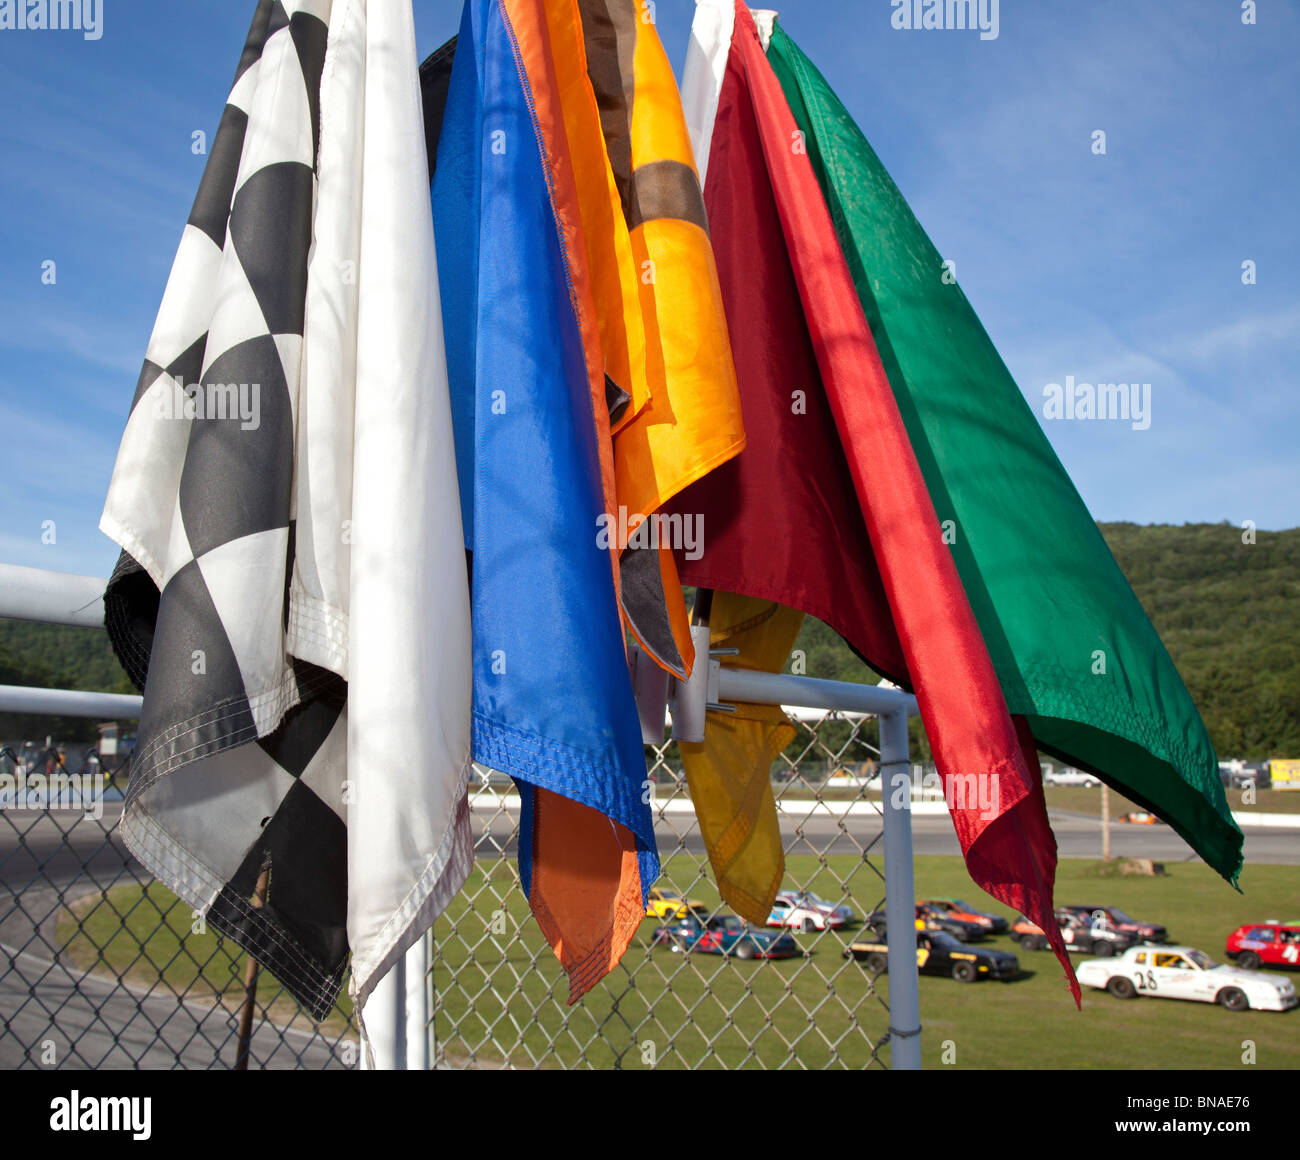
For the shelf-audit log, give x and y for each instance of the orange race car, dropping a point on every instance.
(955, 908)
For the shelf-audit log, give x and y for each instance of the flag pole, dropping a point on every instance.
(251, 970)
(900, 894)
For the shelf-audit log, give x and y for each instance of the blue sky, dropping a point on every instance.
(1124, 267)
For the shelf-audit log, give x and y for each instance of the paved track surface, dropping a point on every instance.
(87, 1020)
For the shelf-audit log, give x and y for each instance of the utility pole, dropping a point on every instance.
(1105, 822)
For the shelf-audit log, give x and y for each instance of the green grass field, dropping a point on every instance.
(502, 995)
(145, 936)
(1088, 801)
(1079, 799)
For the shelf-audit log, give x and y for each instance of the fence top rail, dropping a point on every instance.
(51, 597)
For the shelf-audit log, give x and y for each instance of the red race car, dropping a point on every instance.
(1265, 944)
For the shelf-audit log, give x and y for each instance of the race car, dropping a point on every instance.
(1271, 943)
(962, 929)
(787, 913)
(938, 953)
(842, 914)
(725, 935)
(667, 904)
(1145, 931)
(1177, 972)
(933, 919)
(963, 912)
(1022, 929)
(1138, 818)
(1089, 937)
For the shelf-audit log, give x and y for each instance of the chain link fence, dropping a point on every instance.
(101, 967)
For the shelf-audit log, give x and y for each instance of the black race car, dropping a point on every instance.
(1143, 931)
(1079, 934)
(938, 953)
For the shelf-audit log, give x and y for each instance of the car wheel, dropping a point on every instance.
(1103, 949)
(1121, 987)
(1233, 998)
(809, 925)
(964, 972)
(745, 950)
(1037, 942)
(1248, 961)
(877, 963)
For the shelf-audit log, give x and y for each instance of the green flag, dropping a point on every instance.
(1073, 650)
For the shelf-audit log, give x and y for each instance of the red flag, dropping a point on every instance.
(787, 522)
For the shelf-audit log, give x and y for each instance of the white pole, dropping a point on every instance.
(417, 1005)
(69, 703)
(431, 999)
(51, 597)
(900, 894)
(386, 1020)
(813, 693)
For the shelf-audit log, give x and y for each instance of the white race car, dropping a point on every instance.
(1165, 972)
(788, 913)
(839, 915)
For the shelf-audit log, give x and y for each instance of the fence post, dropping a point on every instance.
(900, 894)
(386, 1021)
(417, 1005)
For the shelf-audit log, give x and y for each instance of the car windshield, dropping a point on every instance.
(1118, 915)
(946, 941)
(730, 924)
(1202, 960)
(960, 905)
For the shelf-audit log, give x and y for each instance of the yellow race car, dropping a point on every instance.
(667, 904)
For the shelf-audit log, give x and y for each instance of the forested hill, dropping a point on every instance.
(1229, 614)
(1228, 611)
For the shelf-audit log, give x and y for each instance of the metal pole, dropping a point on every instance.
(69, 703)
(783, 689)
(900, 894)
(250, 985)
(51, 597)
(1105, 822)
(431, 998)
(386, 1020)
(417, 1005)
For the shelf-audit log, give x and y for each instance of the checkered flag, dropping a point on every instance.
(241, 473)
